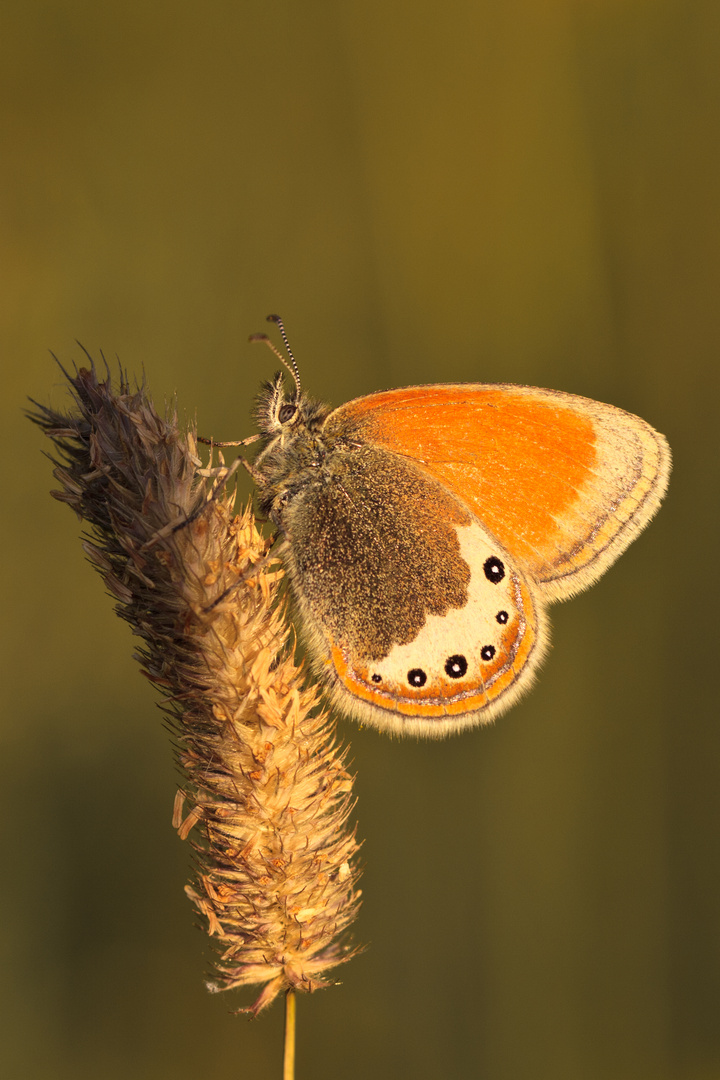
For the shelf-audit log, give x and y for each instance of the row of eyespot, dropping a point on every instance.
(456, 666)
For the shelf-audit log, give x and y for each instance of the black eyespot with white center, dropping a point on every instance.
(376, 677)
(494, 569)
(502, 617)
(456, 667)
(417, 677)
(487, 652)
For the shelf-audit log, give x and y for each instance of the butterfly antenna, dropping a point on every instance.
(295, 371)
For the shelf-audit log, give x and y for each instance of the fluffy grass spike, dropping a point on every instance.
(267, 797)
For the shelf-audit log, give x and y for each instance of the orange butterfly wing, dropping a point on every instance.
(563, 482)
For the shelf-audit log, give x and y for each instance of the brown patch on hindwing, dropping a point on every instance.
(373, 550)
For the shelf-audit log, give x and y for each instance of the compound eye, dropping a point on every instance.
(286, 412)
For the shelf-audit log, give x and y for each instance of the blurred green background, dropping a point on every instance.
(525, 191)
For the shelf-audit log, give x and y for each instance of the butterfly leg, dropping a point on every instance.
(267, 557)
(222, 475)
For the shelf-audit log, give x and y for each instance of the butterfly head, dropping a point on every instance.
(282, 414)
(292, 448)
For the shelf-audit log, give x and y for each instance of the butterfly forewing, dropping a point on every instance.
(564, 483)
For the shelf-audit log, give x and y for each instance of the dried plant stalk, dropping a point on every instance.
(266, 787)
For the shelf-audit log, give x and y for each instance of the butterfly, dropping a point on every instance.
(426, 530)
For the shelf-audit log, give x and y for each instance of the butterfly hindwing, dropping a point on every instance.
(416, 614)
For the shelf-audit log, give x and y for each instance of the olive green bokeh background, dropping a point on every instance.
(525, 191)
